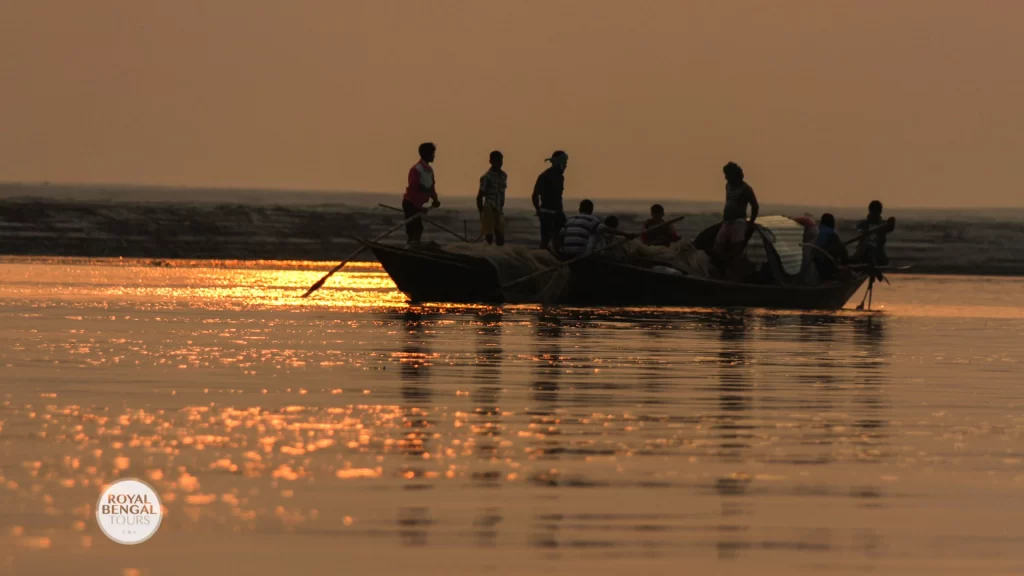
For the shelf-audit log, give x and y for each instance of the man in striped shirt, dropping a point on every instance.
(583, 231)
(490, 201)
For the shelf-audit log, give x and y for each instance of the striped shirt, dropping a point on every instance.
(578, 232)
(492, 188)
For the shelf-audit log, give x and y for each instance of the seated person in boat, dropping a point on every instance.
(490, 201)
(735, 231)
(420, 190)
(609, 234)
(660, 235)
(583, 232)
(871, 249)
(830, 252)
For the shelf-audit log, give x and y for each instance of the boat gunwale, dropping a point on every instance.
(858, 278)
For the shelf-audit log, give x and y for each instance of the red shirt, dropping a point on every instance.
(663, 236)
(421, 176)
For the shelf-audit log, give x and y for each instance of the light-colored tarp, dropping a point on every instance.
(785, 234)
(679, 255)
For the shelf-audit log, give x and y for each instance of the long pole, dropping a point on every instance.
(320, 283)
(889, 226)
(431, 222)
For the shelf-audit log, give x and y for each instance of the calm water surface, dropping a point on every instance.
(351, 433)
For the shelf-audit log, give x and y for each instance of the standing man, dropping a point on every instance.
(419, 191)
(547, 198)
(871, 249)
(490, 201)
(735, 230)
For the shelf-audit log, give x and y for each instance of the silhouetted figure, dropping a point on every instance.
(420, 190)
(547, 198)
(831, 251)
(585, 232)
(662, 236)
(871, 249)
(735, 230)
(609, 234)
(490, 201)
(574, 238)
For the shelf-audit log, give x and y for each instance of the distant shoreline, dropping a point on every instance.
(204, 195)
(966, 245)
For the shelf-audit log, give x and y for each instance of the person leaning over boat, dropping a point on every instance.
(490, 201)
(871, 249)
(830, 252)
(607, 235)
(585, 232)
(421, 189)
(660, 236)
(732, 236)
(547, 198)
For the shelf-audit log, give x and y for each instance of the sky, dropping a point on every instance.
(823, 102)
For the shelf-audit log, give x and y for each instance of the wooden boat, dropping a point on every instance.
(431, 275)
(604, 282)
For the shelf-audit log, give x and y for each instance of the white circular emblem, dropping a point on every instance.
(129, 511)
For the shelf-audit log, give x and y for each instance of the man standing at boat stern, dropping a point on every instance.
(490, 201)
(547, 198)
(735, 231)
(420, 190)
(871, 249)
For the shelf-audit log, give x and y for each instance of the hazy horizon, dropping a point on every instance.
(825, 103)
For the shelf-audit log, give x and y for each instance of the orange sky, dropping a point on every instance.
(917, 102)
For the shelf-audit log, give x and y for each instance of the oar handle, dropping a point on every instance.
(431, 222)
(889, 226)
(319, 283)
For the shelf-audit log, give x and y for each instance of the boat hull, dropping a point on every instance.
(598, 282)
(435, 277)
(428, 276)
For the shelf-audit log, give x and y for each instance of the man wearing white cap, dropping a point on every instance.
(547, 198)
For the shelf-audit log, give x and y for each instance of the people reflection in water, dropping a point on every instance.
(734, 385)
(871, 373)
(486, 393)
(415, 390)
(548, 366)
(734, 436)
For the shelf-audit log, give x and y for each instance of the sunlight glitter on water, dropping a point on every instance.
(532, 440)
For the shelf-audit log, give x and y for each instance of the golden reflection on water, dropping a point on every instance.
(543, 438)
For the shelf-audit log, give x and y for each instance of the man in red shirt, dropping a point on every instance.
(661, 235)
(419, 191)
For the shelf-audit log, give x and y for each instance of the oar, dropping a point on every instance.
(867, 294)
(431, 222)
(320, 283)
(889, 226)
(584, 256)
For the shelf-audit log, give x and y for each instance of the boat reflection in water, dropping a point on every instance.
(440, 439)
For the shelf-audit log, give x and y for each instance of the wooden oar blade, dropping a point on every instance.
(319, 284)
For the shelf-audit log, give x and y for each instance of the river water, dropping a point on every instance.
(351, 433)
